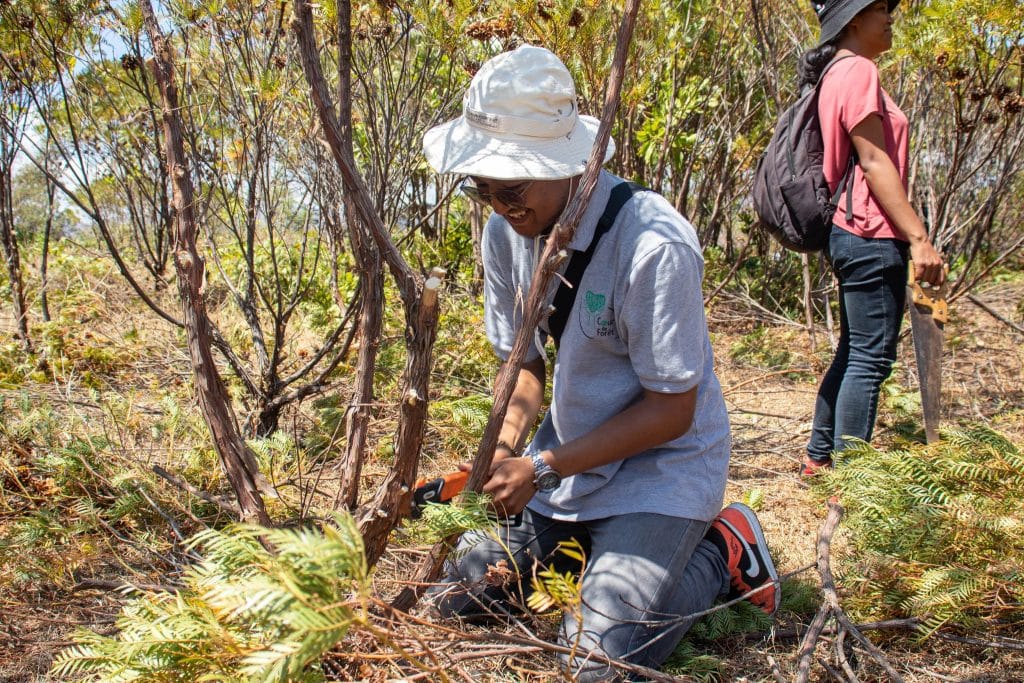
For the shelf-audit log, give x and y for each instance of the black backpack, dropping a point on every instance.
(791, 197)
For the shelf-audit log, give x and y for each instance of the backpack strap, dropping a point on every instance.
(566, 294)
(846, 181)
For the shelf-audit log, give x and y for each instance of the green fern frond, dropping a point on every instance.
(471, 413)
(246, 613)
(743, 617)
(688, 660)
(934, 531)
(468, 512)
(754, 499)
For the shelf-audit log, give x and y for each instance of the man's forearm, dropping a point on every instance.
(524, 405)
(652, 421)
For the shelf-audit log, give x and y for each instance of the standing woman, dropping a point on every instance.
(869, 246)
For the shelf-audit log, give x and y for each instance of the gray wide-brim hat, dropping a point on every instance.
(519, 121)
(834, 15)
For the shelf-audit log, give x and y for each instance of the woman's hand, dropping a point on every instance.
(928, 266)
(884, 181)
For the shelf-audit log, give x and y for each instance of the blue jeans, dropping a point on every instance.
(643, 572)
(872, 277)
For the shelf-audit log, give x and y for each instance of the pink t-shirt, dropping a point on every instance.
(850, 93)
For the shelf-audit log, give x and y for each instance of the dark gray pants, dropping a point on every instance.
(643, 572)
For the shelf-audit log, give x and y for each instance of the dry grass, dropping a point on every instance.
(770, 413)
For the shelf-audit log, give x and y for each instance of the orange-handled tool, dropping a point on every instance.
(440, 490)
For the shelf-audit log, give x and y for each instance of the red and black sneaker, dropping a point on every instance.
(811, 467)
(739, 538)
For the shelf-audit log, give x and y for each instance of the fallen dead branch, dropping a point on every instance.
(831, 609)
(222, 504)
(909, 624)
(995, 314)
(999, 643)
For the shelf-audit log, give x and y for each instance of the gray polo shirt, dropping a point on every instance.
(637, 322)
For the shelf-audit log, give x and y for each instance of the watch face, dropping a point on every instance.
(548, 481)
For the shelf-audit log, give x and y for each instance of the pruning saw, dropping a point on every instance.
(929, 314)
(442, 490)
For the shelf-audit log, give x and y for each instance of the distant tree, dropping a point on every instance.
(62, 40)
(15, 114)
(260, 179)
(35, 205)
(38, 217)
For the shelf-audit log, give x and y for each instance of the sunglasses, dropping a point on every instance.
(510, 197)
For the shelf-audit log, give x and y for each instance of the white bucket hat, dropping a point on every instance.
(519, 121)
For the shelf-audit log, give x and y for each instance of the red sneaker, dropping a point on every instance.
(750, 566)
(811, 467)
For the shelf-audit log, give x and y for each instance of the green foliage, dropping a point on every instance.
(774, 280)
(30, 208)
(561, 589)
(902, 406)
(743, 617)
(675, 102)
(799, 597)
(690, 657)
(461, 421)
(328, 427)
(689, 660)
(76, 496)
(275, 452)
(754, 499)
(52, 490)
(264, 605)
(468, 512)
(769, 349)
(935, 532)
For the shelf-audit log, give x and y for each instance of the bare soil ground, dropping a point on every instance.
(771, 413)
(982, 378)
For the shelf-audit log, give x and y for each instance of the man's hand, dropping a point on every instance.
(511, 485)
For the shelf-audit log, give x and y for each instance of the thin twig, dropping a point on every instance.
(760, 378)
(176, 530)
(124, 587)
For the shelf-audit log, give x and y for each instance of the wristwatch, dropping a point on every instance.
(545, 478)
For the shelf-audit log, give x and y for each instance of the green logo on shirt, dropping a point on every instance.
(597, 318)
